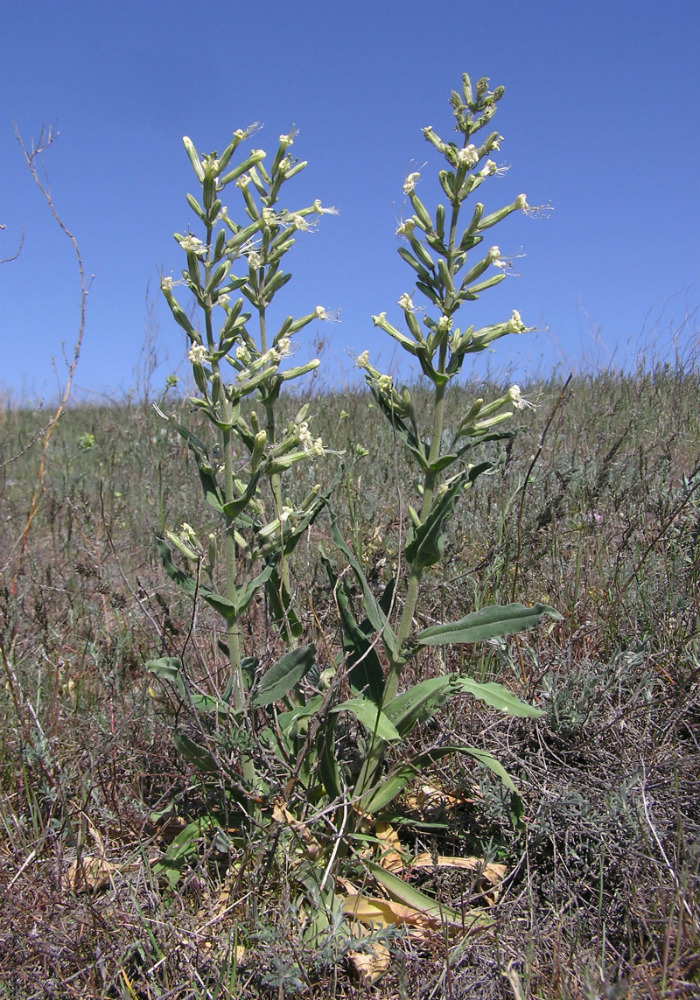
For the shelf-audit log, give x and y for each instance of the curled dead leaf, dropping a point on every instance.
(380, 913)
(370, 965)
(490, 874)
(391, 855)
(90, 873)
(430, 802)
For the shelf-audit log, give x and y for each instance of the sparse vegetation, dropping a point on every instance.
(601, 887)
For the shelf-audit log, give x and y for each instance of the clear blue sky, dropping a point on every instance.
(601, 118)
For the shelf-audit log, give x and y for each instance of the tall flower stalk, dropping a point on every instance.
(440, 250)
(234, 358)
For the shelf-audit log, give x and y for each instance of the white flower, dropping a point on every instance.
(305, 439)
(406, 228)
(190, 244)
(503, 263)
(300, 223)
(287, 140)
(166, 283)
(406, 302)
(468, 156)
(410, 182)
(491, 169)
(284, 347)
(254, 260)
(318, 207)
(268, 217)
(515, 323)
(363, 359)
(444, 324)
(224, 300)
(532, 211)
(197, 354)
(243, 354)
(518, 400)
(329, 316)
(285, 514)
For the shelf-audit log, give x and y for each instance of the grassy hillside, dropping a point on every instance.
(599, 517)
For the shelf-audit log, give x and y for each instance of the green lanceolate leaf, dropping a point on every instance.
(395, 782)
(425, 543)
(284, 675)
(499, 697)
(167, 668)
(488, 623)
(282, 609)
(374, 720)
(247, 591)
(406, 894)
(207, 477)
(327, 762)
(364, 669)
(199, 756)
(406, 431)
(420, 702)
(234, 507)
(389, 788)
(189, 584)
(373, 609)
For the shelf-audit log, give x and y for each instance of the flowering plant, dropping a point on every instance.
(275, 748)
(235, 358)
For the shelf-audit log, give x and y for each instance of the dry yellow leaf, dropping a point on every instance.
(90, 873)
(378, 912)
(491, 874)
(369, 966)
(390, 853)
(430, 802)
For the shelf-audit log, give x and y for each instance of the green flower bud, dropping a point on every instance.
(383, 324)
(256, 156)
(293, 373)
(193, 157)
(447, 181)
(196, 207)
(520, 204)
(422, 254)
(445, 276)
(200, 378)
(424, 220)
(440, 221)
(467, 90)
(258, 450)
(435, 139)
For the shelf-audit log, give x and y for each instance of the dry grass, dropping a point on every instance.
(601, 894)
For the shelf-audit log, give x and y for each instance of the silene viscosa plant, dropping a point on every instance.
(267, 740)
(235, 361)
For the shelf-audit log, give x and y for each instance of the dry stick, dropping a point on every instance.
(7, 260)
(45, 141)
(521, 510)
